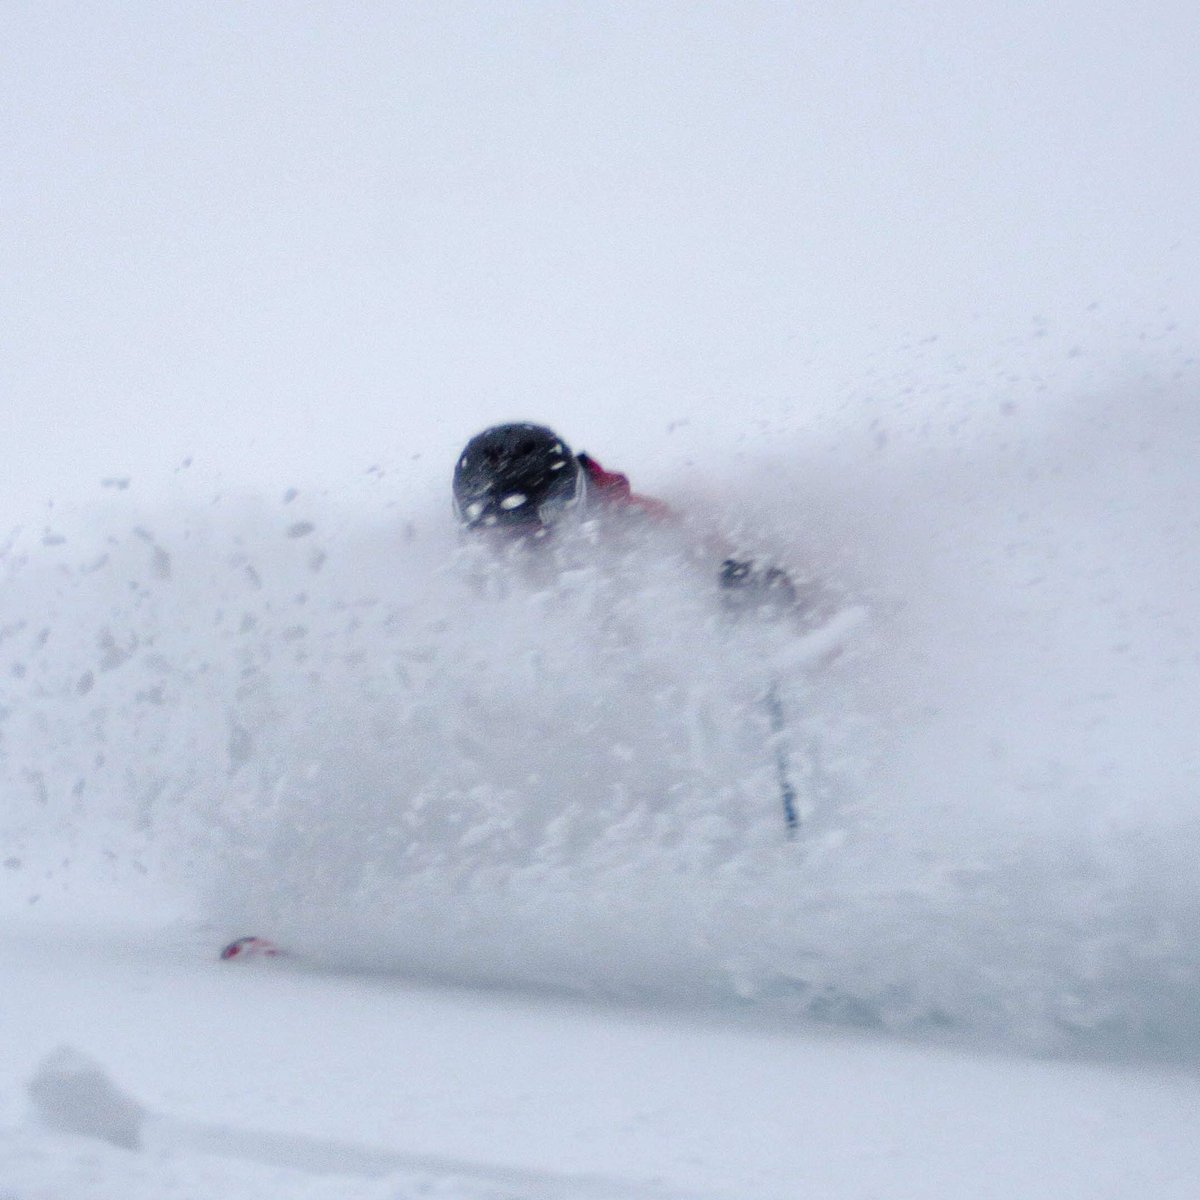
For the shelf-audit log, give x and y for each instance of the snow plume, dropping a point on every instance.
(553, 766)
(392, 752)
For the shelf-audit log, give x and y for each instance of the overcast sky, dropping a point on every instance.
(288, 241)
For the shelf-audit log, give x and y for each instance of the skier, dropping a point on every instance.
(522, 481)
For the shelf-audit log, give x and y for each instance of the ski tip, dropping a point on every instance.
(249, 947)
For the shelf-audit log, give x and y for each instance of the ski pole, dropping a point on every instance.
(783, 766)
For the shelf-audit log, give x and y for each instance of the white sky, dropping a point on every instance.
(291, 240)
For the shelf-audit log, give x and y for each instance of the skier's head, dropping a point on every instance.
(518, 478)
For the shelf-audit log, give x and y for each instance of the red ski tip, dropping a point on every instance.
(249, 947)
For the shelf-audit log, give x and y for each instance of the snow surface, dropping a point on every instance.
(902, 302)
(283, 1082)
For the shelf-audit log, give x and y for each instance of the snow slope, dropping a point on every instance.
(277, 1082)
(900, 299)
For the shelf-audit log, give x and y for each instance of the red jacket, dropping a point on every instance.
(613, 488)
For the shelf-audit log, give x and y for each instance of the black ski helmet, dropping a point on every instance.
(519, 476)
